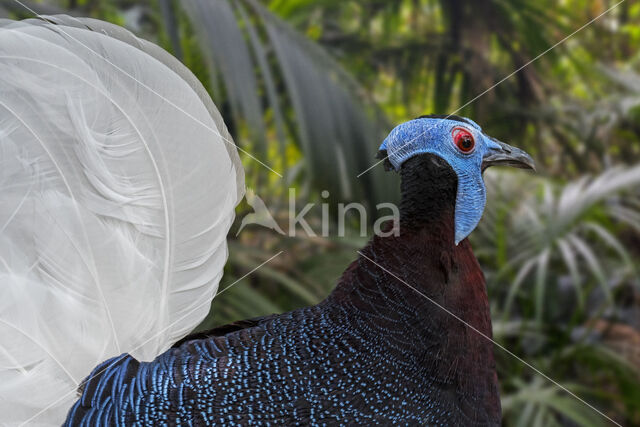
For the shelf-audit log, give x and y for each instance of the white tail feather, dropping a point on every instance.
(118, 185)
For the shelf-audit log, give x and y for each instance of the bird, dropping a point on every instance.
(118, 183)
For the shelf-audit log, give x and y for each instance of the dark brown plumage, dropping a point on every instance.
(375, 351)
(425, 257)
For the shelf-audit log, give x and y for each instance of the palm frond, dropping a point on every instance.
(322, 109)
(558, 231)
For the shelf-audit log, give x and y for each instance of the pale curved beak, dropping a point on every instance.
(504, 154)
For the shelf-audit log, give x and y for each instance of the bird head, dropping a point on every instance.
(467, 150)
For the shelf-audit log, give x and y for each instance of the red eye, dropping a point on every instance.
(463, 140)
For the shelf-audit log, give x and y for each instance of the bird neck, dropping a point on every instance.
(423, 251)
(428, 189)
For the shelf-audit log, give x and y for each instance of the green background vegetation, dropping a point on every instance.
(311, 87)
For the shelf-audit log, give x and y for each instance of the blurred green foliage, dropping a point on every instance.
(312, 86)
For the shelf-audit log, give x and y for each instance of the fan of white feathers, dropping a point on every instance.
(118, 183)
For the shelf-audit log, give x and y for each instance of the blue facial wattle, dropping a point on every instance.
(438, 136)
